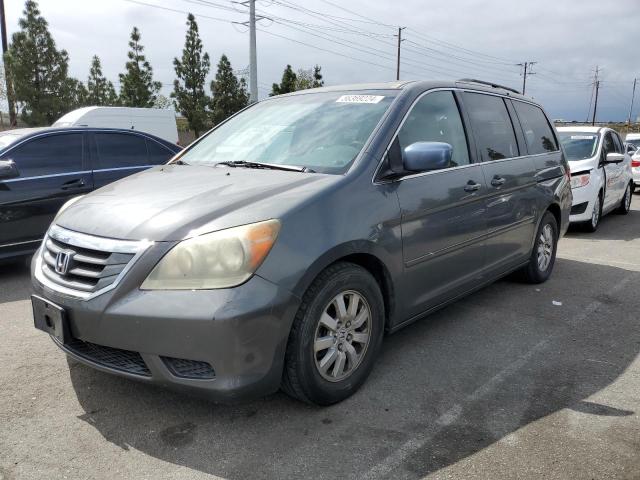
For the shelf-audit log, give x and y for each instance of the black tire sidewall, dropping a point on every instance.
(316, 388)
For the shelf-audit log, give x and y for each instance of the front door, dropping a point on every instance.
(443, 213)
(51, 171)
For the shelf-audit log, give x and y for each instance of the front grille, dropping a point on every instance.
(115, 358)
(184, 368)
(84, 265)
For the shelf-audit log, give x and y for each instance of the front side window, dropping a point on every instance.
(50, 155)
(118, 150)
(618, 143)
(491, 126)
(537, 131)
(436, 118)
(158, 154)
(579, 145)
(609, 145)
(323, 131)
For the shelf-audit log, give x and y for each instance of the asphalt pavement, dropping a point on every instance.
(514, 381)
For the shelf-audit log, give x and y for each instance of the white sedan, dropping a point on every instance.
(601, 176)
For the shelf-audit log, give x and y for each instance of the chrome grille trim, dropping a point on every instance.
(100, 259)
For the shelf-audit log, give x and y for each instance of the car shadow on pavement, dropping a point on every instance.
(613, 226)
(444, 388)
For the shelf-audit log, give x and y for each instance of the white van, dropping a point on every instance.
(156, 121)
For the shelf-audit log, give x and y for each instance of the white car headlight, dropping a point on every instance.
(221, 259)
(580, 180)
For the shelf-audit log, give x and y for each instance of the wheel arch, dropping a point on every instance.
(364, 254)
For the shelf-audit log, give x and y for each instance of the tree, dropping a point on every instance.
(189, 88)
(163, 103)
(288, 83)
(100, 91)
(317, 77)
(137, 87)
(74, 94)
(38, 70)
(229, 93)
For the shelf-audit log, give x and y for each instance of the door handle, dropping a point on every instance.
(497, 181)
(472, 186)
(78, 183)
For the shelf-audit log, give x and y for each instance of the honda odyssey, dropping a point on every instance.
(278, 249)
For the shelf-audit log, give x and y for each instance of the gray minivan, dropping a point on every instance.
(278, 249)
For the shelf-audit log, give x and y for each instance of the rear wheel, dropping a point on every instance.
(596, 214)
(335, 337)
(625, 203)
(543, 255)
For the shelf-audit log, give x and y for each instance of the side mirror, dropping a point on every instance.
(614, 157)
(8, 169)
(425, 156)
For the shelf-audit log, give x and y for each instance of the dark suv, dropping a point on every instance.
(280, 247)
(40, 169)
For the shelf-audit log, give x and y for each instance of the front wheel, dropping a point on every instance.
(543, 255)
(596, 214)
(335, 337)
(625, 203)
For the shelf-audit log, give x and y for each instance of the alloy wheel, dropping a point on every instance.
(595, 215)
(545, 247)
(342, 336)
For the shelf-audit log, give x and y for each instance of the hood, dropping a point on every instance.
(579, 166)
(173, 202)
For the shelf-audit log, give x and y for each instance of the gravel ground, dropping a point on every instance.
(515, 381)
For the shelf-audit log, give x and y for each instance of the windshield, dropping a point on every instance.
(323, 132)
(579, 146)
(635, 142)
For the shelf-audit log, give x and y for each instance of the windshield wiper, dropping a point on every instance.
(270, 166)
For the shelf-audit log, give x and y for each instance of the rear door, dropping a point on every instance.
(443, 213)
(52, 170)
(511, 181)
(116, 155)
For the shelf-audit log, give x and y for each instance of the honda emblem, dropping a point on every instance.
(63, 260)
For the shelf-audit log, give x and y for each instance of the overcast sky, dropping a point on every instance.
(444, 40)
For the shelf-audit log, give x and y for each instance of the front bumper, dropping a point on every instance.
(240, 332)
(582, 204)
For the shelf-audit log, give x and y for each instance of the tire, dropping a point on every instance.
(316, 376)
(536, 271)
(596, 215)
(625, 203)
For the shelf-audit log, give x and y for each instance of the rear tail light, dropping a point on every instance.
(635, 163)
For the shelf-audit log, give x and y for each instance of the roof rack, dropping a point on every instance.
(490, 84)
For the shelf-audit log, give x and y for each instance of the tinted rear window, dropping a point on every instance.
(492, 126)
(48, 155)
(117, 150)
(537, 131)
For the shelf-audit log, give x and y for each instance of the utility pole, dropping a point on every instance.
(595, 104)
(526, 66)
(253, 56)
(398, 59)
(633, 94)
(7, 76)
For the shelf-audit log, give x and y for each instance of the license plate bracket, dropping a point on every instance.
(50, 318)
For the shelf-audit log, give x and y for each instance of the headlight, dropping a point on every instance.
(581, 180)
(220, 259)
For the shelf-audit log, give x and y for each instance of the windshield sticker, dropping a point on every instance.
(582, 137)
(360, 98)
